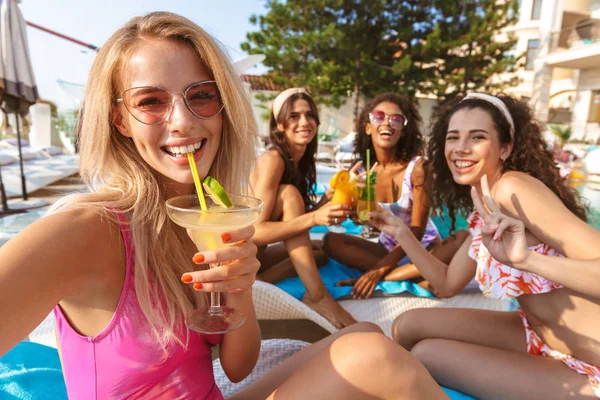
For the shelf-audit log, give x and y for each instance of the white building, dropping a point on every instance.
(561, 76)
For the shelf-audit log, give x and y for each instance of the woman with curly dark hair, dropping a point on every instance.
(284, 180)
(390, 126)
(528, 241)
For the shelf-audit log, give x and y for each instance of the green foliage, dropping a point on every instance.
(562, 132)
(338, 48)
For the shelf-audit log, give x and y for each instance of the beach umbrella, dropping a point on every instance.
(16, 73)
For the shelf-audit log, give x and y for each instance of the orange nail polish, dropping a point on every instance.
(186, 278)
(226, 237)
(198, 258)
(197, 286)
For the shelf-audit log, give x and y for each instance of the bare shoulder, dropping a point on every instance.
(269, 169)
(271, 159)
(516, 184)
(74, 241)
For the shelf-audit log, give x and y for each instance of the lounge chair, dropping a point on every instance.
(41, 167)
(272, 303)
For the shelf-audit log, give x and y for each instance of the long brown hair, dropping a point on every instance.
(304, 176)
(529, 155)
(411, 142)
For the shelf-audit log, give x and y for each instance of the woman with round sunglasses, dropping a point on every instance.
(528, 241)
(118, 274)
(390, 126)
(284, 179)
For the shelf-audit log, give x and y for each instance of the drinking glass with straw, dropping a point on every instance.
(208, 218)
(367, 201)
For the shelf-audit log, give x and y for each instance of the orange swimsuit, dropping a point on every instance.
(499, 281)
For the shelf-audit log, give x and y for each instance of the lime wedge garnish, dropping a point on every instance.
(216, 192)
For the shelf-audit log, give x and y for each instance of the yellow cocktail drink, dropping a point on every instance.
(207, 225)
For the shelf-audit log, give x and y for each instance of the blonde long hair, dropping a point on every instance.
(119, 179)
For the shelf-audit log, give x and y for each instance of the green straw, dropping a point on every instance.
(369, 180)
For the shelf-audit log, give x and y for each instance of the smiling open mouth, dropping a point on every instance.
(464, 164)
(181, 151)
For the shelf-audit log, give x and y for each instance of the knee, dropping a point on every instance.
(406, 328)
(330, 241)
(376, 350)
(360, 354)
(427, 351)
(365, 327)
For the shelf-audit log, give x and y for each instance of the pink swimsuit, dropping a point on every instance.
(124, 361)
(500, 281)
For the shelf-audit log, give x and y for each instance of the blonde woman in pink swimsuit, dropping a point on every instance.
(119, 274)
(530, 241)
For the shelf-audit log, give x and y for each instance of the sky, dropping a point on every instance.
(93, 21)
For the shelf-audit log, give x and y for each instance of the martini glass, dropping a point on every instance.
(207, 226)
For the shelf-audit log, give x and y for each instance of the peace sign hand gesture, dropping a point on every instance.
(503, 236)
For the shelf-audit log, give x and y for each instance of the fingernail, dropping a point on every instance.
(226, 237)
(494, 226)
(198, 258)
(197, 286)
(186, 278)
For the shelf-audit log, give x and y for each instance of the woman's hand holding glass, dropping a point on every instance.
(238, 264)
(387, 222)
(503, 236)
(331, 214)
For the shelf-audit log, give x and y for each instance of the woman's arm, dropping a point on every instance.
(266, 180)
(447, 280)
(525, 198)
(419, 218)
(421, 204)
(54, 258)
(542, 213)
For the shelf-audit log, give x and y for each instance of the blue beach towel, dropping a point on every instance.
(334, 272)
(454, 395)
(31, 371)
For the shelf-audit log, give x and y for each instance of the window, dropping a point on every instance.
(536, 10)
(533, 47)
(595, 107)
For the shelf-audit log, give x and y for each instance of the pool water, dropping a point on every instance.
(589, 192)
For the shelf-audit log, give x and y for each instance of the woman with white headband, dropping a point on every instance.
(488, 153)
(284, 180)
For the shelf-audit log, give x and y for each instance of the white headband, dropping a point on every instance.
(282, 97)
(499, 104)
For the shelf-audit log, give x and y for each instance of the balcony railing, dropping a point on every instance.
(584, 33)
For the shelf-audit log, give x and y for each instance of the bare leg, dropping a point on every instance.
(353, 251)
(289, 205)
(355, 363)
(277, 266)
(492, 373)
(500, 329)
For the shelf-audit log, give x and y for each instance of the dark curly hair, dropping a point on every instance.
(411, 142)
(304, 176)
(529, 155)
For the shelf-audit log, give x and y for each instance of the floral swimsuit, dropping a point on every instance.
(499, 281)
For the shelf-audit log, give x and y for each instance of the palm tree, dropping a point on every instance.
(562, 133)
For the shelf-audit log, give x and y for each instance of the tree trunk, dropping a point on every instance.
(356, 91)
